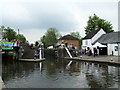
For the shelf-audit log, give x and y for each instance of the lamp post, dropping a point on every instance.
(18, 31)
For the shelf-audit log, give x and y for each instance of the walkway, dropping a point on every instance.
(101, 59)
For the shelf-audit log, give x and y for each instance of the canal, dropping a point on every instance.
(53, 73)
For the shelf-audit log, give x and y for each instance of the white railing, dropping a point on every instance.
(68, 65)
(68, 52)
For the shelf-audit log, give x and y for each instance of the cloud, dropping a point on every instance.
(60, 1)
(33, 34)
(16, 14)
(34, 17)
(16, 11)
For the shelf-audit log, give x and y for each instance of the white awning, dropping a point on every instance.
(97, 44)
(50, 47)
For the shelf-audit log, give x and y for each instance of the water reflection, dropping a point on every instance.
(40, 64)
(52, 73)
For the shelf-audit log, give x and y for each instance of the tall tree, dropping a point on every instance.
(1, 31)
(94, 21)
(21, 37)
(50, 37)
(77, 35)
(9, 33)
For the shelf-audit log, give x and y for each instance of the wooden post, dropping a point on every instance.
(40, 54)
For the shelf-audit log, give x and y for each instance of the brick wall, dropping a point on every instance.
(74, 42)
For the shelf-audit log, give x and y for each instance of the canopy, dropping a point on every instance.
(50, 47)
(97, 44)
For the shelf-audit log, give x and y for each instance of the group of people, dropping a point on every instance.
(37, 50)
(5, 43)
(89, 51)
(36, 54)
(15, 42)
(73, 49)
(75, 52)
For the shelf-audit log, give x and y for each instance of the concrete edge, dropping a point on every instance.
(32, 60)
(90, 60)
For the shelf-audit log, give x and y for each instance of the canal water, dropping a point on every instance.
(54, 73)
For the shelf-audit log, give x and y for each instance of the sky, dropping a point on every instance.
(34, 17)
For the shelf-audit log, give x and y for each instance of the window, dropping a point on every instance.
(86, 42)
(116, 48)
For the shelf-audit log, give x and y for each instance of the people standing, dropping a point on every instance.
(36, 55)
(89, 51)
(95, 52)
(66, 44)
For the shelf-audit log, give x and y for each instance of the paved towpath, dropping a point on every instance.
(102, 59)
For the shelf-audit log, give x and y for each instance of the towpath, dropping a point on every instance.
(101, 59)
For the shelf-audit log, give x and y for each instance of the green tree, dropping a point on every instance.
(36, 43)
(1, 31)
(50, 37)
(9, 33)
(21, 37)
(94, 21)
(77, 35)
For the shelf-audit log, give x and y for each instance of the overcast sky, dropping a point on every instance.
(34, 17)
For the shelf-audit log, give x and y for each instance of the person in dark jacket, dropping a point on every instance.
(95, 52)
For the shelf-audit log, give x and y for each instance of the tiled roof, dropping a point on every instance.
(91, 34)
(68, 37)
(113, 37)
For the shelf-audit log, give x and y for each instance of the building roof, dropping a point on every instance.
(68, 37)
(91, 34)
(113, 37)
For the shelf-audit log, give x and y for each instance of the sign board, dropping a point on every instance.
(6, 45)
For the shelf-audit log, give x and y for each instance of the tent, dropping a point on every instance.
(97, 44)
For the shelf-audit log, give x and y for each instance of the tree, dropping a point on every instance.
(36, 43)
(9, 33)
(94, 21)
(77, 35)
(50, 37)
(1, 31)
(21, 37)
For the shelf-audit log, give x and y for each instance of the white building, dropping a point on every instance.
(90, 38)
(112, 40)
(109, 44)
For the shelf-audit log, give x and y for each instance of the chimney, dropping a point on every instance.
(96, 27)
